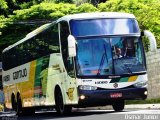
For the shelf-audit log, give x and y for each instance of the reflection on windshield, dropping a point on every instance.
(127, 55)
(103, 27)
(94, 57)
(109, 56)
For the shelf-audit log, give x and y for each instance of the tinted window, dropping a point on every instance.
(45, 43)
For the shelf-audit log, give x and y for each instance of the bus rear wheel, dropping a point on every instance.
(60, 107)
(19, 106)
(14, 103)
(20, 111)
(118, 105)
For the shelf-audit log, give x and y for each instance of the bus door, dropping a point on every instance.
(69, 76)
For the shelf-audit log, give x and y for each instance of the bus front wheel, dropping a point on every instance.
(118, 105)
(60, 107)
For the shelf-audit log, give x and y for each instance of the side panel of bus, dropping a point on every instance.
(17, 80)
(38, 86)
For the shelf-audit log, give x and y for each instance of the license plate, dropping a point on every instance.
(116, 95)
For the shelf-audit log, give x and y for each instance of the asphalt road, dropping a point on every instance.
(127, 114)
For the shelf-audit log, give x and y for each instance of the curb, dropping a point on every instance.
(143, 106)
(132, 106)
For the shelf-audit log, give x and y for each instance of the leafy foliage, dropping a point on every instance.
(64, 1)
(86, 7)
(3, 7)
(44, 11)
(3, 4)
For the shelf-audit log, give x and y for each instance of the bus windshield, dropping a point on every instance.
(109, 56)
(104, 27)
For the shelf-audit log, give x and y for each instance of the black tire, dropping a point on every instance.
(19, 106)
(118, 105)
(14, 103)
(28, 111)
(20, 111)
(60, 107)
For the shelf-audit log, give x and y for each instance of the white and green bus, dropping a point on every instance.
(81, 60)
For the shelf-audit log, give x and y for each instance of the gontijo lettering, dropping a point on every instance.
(20, 74)
(6, 78)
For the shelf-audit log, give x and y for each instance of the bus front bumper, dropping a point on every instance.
(107, 97)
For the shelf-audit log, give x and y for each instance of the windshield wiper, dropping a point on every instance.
(78, 66)
(102, 59)
(127, 68)
(124, 65)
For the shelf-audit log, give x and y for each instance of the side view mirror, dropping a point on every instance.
(71, 46)
(152, 40)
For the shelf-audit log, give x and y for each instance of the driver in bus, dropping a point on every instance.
(118, 53)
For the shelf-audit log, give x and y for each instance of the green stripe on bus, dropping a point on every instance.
(115, 80)
(41, 74)
(124, 79)
(119, 80)
(37, 83)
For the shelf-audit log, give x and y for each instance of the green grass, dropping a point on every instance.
(147, 101)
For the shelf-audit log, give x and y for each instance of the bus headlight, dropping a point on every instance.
(145, 93)
(87, 87)
(140, 84)
(82, 97)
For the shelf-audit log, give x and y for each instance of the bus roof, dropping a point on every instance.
(96, 15)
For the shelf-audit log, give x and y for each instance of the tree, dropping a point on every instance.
(96, 2)
(3, 7)
(62, 1)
